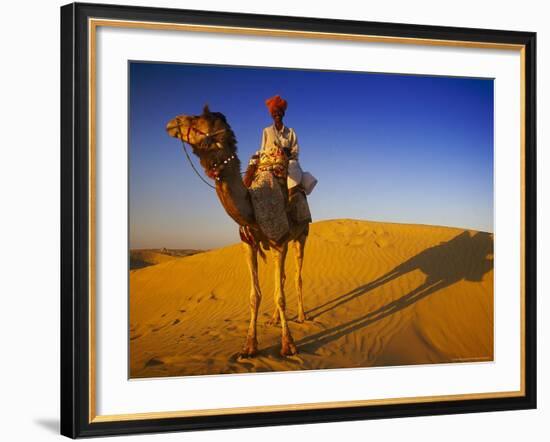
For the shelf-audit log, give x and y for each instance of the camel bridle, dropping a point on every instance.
(208, 139)
(206, 143)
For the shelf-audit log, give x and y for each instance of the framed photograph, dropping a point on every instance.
(275, 220)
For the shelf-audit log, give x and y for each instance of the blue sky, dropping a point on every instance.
(384, 147)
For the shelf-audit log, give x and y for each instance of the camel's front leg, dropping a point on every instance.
(287, 343)
(275, 318)
(251, 346)
(299, 246)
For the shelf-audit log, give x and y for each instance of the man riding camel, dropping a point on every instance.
(278, 154)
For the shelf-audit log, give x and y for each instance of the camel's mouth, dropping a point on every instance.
(178, 126)
(173, 128)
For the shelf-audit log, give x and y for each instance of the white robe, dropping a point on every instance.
(285, 138)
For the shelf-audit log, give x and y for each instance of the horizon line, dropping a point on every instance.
(325, 220)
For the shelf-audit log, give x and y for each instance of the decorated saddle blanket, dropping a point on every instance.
(270, 205)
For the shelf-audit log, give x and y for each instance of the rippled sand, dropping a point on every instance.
(376, 294)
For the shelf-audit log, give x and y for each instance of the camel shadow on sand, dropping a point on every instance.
(464, 257)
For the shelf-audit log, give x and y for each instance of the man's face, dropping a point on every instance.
(277, 115)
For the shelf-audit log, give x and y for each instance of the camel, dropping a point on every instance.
(213, 141)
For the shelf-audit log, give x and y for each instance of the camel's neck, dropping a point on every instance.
(230, 188)
(234, 196)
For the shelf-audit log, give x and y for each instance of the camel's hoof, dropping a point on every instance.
(288, 348)
(247, 353)
(274, 321)
(301, 319)
(250, 349)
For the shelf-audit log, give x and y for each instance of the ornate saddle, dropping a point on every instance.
(270, 205)
(273, 206)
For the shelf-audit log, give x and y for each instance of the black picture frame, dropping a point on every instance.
(75, 220)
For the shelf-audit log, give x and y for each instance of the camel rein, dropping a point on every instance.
(208, 140)
(193, 166)
(207, 137)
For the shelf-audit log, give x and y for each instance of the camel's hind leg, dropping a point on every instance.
(287, 343)
(275, 318)
(251, 346)
(299, 246)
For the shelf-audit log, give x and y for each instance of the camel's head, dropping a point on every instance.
(205, 132)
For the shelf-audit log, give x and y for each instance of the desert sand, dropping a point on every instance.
(140, 258)
(376, 294)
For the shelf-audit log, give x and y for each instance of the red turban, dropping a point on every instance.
(276, 103)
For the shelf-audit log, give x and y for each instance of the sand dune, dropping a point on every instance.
(376, 294)
(140, 258)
